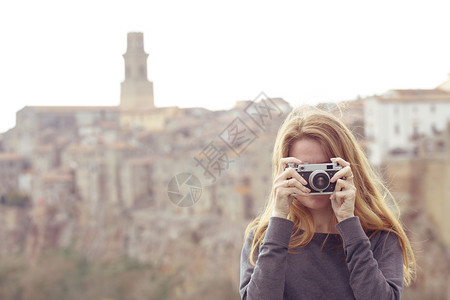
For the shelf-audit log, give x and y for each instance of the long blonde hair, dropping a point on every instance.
(372, 196)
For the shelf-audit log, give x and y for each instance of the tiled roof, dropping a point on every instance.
(56, 177)
(73, 108)
(418, 95)
(417, 92)
(142, 160)
(150, 110)
(80, 148)
(9, 156)
(119, 145)
(44, 148)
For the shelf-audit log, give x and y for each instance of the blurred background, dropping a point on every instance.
(136, 137)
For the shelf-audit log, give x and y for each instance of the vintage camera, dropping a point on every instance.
(317, 176)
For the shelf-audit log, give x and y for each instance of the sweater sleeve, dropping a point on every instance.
(266, 280)
(377, 273)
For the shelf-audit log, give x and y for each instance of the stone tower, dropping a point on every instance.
(136, 92)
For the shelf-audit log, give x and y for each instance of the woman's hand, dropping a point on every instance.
(286, 186)
(343, 198)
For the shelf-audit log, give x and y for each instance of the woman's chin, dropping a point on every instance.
(315, 201)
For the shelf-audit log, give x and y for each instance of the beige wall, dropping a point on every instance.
(436, 181)
(150, 119)
(421, 185)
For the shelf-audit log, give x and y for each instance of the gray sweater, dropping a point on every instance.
(362, 268)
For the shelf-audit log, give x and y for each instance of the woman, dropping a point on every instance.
(347, 245)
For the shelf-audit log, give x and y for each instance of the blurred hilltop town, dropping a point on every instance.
(95, 179)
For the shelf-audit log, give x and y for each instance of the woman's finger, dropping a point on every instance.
(340, 161)
(342, 196)
(292, 183)
(295, 183)
(284, 161)
(291, 173)
(344, 172)
(287, 193)
(342, 184)
(293, 191)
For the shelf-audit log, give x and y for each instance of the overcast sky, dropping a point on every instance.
(211, 53)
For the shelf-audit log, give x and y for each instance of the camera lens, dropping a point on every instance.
(319, 180)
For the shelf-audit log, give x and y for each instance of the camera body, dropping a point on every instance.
(317, 176)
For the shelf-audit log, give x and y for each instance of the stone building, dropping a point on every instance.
(420, 184)
(11, 167)
(98, 170)
(395, 119)
(37, 124)
(89, 171)
(136, 91)
(115, 156)
(136, 177)
(433, 160)
(56, 188)
(45, 158)
(137, 106)
(153, 119)
(14, 226)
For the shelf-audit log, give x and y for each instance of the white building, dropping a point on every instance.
(396, 118)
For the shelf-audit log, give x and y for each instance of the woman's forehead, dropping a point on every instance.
(308, 150)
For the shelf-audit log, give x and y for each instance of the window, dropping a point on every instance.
(415, 131)
(440, 146)
(433, 108)
(142, 71)
(397, 129)
(434, 129)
